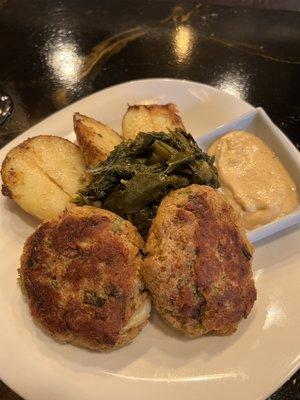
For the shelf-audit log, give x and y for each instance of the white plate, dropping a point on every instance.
(159, 364)
(258, 123)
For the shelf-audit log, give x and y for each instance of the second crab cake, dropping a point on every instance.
(198, 263)
(81, 274)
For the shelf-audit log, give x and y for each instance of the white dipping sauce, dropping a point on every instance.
(253, 178)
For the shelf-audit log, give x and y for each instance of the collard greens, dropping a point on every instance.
(138, 173)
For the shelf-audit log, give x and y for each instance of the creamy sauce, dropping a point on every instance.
(253, 178)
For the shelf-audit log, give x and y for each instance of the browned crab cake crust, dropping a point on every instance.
(81, 274)
(198, 263)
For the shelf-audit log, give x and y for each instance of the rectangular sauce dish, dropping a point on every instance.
(258, 123)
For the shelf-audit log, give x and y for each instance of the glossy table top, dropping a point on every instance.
(53, 53)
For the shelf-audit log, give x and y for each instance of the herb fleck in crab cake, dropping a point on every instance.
(81, 274)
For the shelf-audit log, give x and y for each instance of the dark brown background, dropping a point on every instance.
(54, 52)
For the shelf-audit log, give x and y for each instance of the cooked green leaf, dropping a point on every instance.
(138, 173)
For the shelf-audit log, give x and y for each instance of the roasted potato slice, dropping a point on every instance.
(95, 139)
(147, 118)
(43, 174)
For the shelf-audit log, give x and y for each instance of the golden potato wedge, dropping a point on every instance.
(154, 117)
(43, 174)
(95, 139)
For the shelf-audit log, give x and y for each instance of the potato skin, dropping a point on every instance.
(95, 139)
(81, 275)
(198, 263)
(150, 118)
(43, 174)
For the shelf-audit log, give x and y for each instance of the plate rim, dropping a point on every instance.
(16, 140)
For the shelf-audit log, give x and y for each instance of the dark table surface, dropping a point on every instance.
(55, 52)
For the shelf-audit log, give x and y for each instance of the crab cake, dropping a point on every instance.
(198, 263)
(81, 273)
